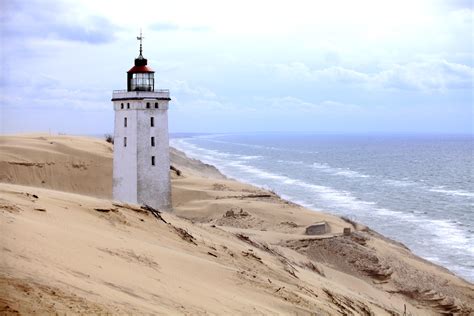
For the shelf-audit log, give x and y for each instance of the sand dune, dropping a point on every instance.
(73, 164)
(227, 248)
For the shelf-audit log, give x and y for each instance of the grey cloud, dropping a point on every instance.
(52, 98)
(98, 30)
(53, 19)
(26, 90)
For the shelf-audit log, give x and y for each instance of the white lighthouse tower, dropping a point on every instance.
(141, 148)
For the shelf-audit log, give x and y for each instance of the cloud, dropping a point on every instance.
(184, 88)
(36, 19)
(189, 98)
(461, 19)
(33, 92)
(298, 105)
(437, 75)
(428, 76)
(456, 4)
(300, 71)
(159, 27)
(55, 98)
(169, 27)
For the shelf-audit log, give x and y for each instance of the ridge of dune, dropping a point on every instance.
(226, 248)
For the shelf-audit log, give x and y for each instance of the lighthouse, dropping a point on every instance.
(141, 149)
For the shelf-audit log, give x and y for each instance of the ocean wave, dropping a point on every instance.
(251, 157)
(346, 172)
(290, 162)
(399, 183)
(442, 232)
(441, 189)
(351, 174)
(257, 172)
(335, 198)
(259, 146)
(207, 154)
(323, 166)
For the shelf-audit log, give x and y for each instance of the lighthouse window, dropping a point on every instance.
(125, 122)
(125, 142)
(156, 105)
(152, 160)
(152, 121)
(153, 142)
(148, 105)
(128, 105)
(121, 106)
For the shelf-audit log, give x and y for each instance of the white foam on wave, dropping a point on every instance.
(446, 235)
(322, 166)
(399, 183)
(257, 172)
(290, 181)
(290, 162)
(351, 174)
(444, 231)
(205, 154)
(335, 198)
(261, 146)
(441, 189)
(251, 157)
(346, 172)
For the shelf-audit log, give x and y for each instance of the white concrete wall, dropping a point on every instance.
(135, 179)
(154, 181)
(125, 158)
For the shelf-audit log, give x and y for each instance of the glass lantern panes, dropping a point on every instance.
(142, 82)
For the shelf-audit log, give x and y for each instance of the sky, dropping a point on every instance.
(242, 66)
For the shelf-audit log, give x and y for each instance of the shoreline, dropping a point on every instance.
(228, 247)
(453, 267)
(302, 205)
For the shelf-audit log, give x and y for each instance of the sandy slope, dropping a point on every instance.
(74, 164)
(74, 252)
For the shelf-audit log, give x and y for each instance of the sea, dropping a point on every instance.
(416, 189)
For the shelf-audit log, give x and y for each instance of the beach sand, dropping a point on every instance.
(227, 247)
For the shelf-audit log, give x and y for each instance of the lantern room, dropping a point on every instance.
(140, 77)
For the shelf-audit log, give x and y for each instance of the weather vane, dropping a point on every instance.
(140, 38)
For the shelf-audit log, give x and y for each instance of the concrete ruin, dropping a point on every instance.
(320, 228)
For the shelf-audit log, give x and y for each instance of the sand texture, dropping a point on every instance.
(227, 248)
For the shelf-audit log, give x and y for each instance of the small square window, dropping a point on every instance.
(153, 142)
(121, 106)
(152, 121)
(148, 105)
(152, 160)
(156, 105)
